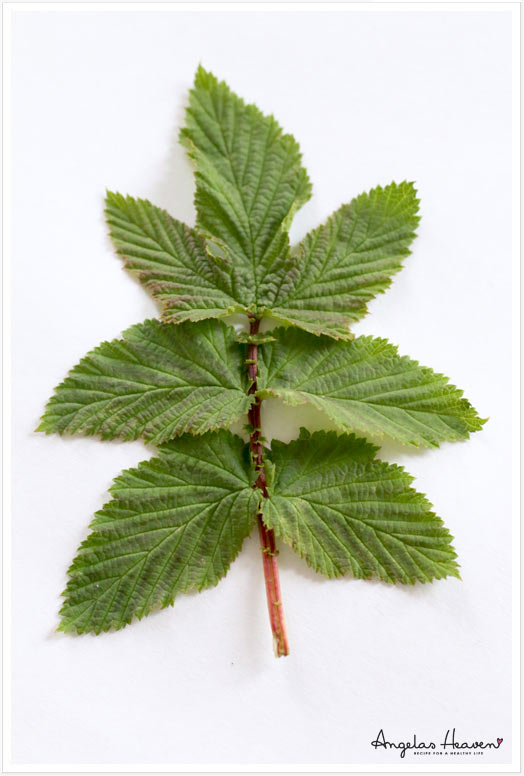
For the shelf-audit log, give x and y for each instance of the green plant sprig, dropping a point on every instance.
(177, 521)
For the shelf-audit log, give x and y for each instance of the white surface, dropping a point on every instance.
(98, 100)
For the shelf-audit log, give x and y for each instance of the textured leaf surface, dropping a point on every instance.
(366, 387)
(170, 259)
(348, 513)
(174, 524)
(158, 381)
(250, 182)
(348, 260)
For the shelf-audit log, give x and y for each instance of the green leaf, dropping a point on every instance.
(175, 524)
(158, 381)
(347, 513)
(170, 259)
(250, 182)
(349, 260)
(366, 387)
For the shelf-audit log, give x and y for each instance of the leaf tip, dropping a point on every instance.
(46, 426)
(204, 79)
(112, 197)
(64, 626)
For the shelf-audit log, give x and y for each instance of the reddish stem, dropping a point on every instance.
(267, 536)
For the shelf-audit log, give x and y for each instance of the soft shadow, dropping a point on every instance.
(175, 190)
(395, 452)
(249, 630)
(390, 450)
(290, 561)
(282, 422)
(54, 634)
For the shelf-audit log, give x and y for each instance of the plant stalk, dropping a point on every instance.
(267, 536)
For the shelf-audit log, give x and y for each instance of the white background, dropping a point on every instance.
(97, 101)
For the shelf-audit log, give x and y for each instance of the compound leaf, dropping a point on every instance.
(250, 182)
(170, 259)
(175, 524)
(347, 513)
(365, 386)
(158, 381)
(348, 260)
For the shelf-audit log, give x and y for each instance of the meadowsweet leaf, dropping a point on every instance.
(170, 259)
(250, 182)
(174, 524)
(348, 260)
(158, 381)
(365, 386)
(346, 512)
